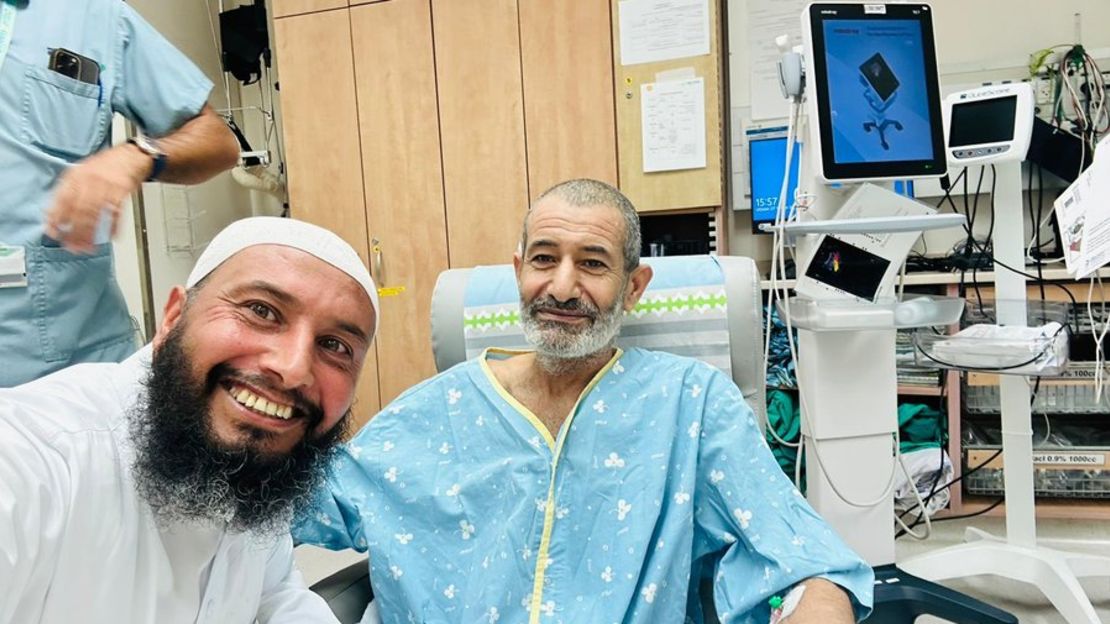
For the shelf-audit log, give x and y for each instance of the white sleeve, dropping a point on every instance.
(285, 598)
(33, 482)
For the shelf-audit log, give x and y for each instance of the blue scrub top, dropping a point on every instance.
(72, 309)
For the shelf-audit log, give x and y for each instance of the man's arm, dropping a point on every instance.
(822, 602)
(198, 150)
(334, 520)
(285, 598)
(767, 538)
(32, 495)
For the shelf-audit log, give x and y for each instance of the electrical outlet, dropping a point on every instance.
(1042, 91)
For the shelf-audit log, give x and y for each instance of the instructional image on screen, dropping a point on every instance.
(877, 91)
(848, 268)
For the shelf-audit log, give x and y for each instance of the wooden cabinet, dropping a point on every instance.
(481, 107)
(420, 130)
(399, 129)
(568, 92)
(323, 155)
(286, 8)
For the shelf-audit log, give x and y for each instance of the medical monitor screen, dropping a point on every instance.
(983, 121)
(848, 268)
(767, 165)
(878, 99)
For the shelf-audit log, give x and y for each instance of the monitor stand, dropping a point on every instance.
(1019, 556)
(849, 414)
(850, 387)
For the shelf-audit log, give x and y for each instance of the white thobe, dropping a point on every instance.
(78, 543)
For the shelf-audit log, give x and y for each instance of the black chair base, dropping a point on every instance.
(900, 598)
(347, 592)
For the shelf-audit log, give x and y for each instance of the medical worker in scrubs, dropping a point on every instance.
(65, 67)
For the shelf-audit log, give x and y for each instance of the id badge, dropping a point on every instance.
(13, 267)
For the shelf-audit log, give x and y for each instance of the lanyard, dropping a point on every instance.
(7, 23)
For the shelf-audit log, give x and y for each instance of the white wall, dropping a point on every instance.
(977, 40)
(253, 98)
(213, 204)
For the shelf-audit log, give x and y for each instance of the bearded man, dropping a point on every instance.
(579, 482)
(161, 489)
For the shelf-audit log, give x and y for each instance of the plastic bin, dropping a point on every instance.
(1039, 347)
(1064, 472)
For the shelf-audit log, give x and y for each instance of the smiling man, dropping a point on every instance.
(161, 489)
(578, 482)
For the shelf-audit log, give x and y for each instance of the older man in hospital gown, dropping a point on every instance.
(160, 489)
(579, 482)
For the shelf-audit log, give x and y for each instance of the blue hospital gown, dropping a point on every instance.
(472, 512)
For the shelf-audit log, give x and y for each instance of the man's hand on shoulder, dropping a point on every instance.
(95, 186)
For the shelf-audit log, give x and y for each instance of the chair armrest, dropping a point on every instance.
(347, 592)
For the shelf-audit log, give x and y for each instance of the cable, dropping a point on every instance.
(948, 198)
(935, 490)
(996, 369)
(967, 473)
(1098, 336)
(778, 266)
(990, 231)
(920, 503)
(887, 491)
(972, 515)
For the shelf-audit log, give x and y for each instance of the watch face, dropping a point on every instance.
(147, 145)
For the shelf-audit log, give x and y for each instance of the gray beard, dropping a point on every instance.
(187, 475)
(560, 349)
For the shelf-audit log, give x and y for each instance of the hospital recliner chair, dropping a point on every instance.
(676, 314)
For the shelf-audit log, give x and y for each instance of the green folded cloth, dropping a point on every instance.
(919, 427)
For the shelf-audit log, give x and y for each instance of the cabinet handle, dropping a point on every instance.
(376, 251)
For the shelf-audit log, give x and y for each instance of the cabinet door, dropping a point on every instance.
(399, 129)
(477, 52)
(569, 116)
(285, 8)
(322, 149)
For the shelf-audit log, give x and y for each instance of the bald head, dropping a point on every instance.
(587, 193)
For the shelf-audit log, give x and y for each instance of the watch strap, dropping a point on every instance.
(157, 155)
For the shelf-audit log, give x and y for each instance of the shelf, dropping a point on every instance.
(927, 278)
(902, 390)
(837, 315)
(953, 392)
(1076, 509)
(920, 390)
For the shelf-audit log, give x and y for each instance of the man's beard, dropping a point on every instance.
(560, 345)
(185, 473)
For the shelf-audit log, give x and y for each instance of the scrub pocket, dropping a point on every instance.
(63, 116)
(77, 304)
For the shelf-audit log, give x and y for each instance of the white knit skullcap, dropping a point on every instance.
(307, 237)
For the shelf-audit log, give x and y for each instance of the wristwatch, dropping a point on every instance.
(150, 147)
